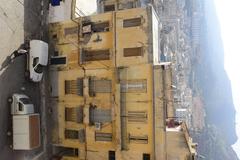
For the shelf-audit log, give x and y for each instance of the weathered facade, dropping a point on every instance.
(110, 91)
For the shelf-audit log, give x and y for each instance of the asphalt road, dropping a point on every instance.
(12, 80)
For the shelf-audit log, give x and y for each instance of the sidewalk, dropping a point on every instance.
(12, 32)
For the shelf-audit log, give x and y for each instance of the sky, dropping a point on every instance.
(87, 6)
(228, 12)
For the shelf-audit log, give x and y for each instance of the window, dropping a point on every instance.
(138, 139)
(133, 86)
(39, 68)
(146, 156)
(103, 136)
(75, 134)
(130, 5)
(100, 27)
(95, 55)
(35, 61)
(71, 134)
(99, 86)
(25, 100)
(70, 31)
(74, 87)
(74, 114)
(129, 52)
(127, 5)
(58, 60)
(111, 155)
(54, 36)
(137, 116)
(133, 22)
(20, 106)
(95, 27)
(108, 8)
(97, 115)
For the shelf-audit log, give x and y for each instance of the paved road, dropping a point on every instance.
(15, 27)
(12, 79)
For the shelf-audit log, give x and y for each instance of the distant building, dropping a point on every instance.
(183, 115)
(180, 145)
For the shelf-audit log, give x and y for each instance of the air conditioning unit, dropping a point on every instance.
(87, 29)
(98, 125)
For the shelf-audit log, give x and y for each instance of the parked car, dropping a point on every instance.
(21, 104)
(25, 123)
(37, 59)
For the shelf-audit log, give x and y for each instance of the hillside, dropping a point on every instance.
(216, 139)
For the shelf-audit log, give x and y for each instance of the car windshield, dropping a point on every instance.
(39, 68)
(25, 100)
(20, 106)
(35, 61)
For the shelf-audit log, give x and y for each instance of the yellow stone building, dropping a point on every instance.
(109, 89)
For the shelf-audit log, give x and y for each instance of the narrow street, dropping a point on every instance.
(20, 20)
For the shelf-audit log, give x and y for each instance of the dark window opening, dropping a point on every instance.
(58, 60)
(129, 52)
(109, 8)
(20, 106)
(100, 27)
(146, 156)
(35, 61)
(134, 22)
(25, 100)
(96, 55)
(54, 36)
(111, 155)
(90, 27)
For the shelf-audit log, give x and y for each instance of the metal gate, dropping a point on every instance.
(74, 114)
(99, 115)
(74, 87)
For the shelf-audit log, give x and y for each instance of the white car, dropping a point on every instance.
(38, 58)
(20, 104)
